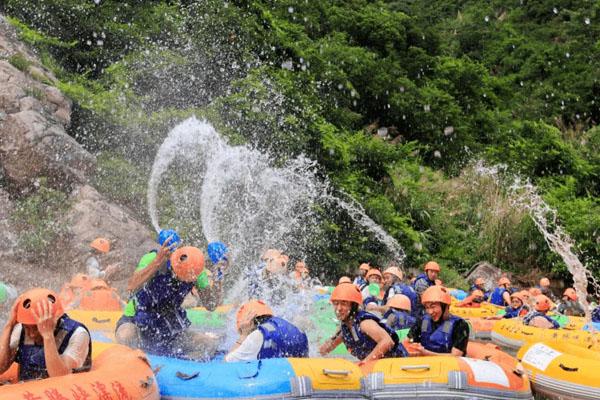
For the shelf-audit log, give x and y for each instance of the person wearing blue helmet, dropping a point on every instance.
(126, 332)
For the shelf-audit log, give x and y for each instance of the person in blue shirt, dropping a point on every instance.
(263, 335)
(398, 314)
(423, 281)
(438, 331)
(539, 317)
(366, 337)
(479, 284)
(360, 281)
(501, 295)
(158, 294)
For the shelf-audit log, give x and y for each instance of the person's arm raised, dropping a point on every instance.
(143, 275)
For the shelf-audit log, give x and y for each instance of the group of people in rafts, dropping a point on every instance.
(44, 341)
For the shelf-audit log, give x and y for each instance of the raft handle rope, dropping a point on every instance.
(186, 377)
(335, 372)
(415, 367)
(568, 369)
(101, 321)
(147, 383)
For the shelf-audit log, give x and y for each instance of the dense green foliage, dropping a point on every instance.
(512, 82)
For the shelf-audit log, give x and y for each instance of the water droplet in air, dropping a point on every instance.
(487, 18)
(587, 20)
(290, 10)
(427, 107)
(437, 154)
(555, 10)
(449, 130)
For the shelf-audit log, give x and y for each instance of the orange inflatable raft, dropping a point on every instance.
(118, 373)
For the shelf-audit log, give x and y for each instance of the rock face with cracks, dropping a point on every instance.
(34, 145)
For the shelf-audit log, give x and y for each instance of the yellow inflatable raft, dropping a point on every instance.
(486, 310)
(562, 371)
(512, 333)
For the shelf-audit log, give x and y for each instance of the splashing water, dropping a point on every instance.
(525, 196)
(237, 196)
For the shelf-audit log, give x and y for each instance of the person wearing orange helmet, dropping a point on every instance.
(438, 331)
(518, 307)
(472, 300)
(42, 339)
(263, 335)
(539, 317)
(398, 314)
(393, 285)
(344, 279)
(373, 292)
(269, 278)
(501, 295)
(570, 305)
(366, 337)
(99, 248)
(361, 280)
(479, 284)
(424, 281)
(159, 290)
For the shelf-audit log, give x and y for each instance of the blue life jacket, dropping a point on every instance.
(159, 315)
(531, 316)
(360, 345)
(31, 359)
(408, 291)
(423, 277)
(497, 298)
(372, 299)
(282, 339)
(440, 339)
(360, 282)
(596, 314)
(397, 319)
(512, 312)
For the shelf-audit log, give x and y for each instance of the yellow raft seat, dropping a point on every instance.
(562, 371)
(512, 333)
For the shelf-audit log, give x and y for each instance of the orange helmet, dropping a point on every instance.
(544, 282)
(518, 295)
(394, 271)
(432, 266)
(399, 301)
(28, 302)
(436, 294)
(100, 244)
(480, 281)
(477, 293)
(373, 271)
(571, 294)
(255, 307)
(187, 263)
(346, 292)
(542, 303)
(364, 266)
(344, 279)
(534, 292)
(504, 281)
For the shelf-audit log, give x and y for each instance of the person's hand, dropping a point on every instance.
(165, 250)
(247, 324)
(45, 320)
(110, 270)
(324, 349)
(414, 349)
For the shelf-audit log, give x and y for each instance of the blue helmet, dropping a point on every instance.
(164, 234)
(217, 251)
